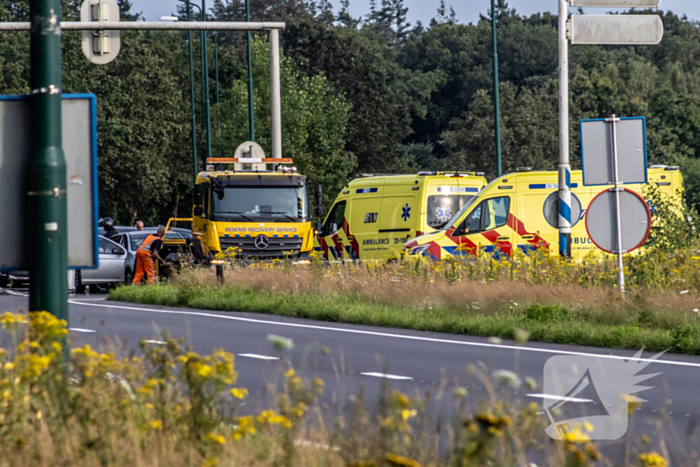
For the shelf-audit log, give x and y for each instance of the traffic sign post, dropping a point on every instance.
(600, 153)
(46, 217)
(592, 29)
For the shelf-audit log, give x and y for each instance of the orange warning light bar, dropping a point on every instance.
(247, 160)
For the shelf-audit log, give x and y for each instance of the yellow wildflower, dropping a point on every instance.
(156, 425)
(216, 438)
(239, 393)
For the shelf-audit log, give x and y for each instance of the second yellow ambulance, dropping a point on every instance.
(520, 211)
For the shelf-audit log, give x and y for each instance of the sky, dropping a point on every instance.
(423, 10)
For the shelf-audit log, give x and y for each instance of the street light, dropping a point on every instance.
(205, 79)
(194, 117)
(216, 60)
(205, 84)
(251, 110)
(496, 97)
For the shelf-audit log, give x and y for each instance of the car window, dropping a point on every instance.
(107, 247)
(136, 240)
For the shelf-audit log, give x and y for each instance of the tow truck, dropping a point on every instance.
(256, 208)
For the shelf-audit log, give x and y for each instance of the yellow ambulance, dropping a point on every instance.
(375, 215)
(520, 211)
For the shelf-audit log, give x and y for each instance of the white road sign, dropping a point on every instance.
(616, 3)
(100, 47)
(616, 29)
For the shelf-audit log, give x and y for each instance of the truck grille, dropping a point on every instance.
(276, 248)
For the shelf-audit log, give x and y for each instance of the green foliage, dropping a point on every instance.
(673, 223)
(313, 121)
(686, 339)
(544, 313)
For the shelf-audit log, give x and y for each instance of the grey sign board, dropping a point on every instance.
(601, 221)
(616, 29)
(80, 150)
(597, 151)
(616, 3)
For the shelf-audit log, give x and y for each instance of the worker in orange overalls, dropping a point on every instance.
(147, 251)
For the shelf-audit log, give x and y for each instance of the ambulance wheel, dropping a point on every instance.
(220, 272)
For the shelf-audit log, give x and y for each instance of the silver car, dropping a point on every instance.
(110, 272)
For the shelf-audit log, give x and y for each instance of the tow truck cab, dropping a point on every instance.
(259, 214)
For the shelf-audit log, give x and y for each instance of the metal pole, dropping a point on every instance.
(251, 108)
(216, 59)
(564, 167)
(151, 26)
(620, 265)
(496, 97)
(275, 93)
(47, 219)
(194, 115)
(206, 80)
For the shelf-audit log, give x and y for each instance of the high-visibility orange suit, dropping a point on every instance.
(144, 261)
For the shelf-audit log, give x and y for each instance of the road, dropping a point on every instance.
(366, 357)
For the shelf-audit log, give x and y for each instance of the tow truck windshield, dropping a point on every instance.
(258, 203)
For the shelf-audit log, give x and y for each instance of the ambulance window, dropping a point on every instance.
(335, 219)
(488, 215)
(441, 208)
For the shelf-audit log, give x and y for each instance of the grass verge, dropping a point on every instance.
(626, 325)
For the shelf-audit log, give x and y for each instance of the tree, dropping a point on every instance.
(313, 120)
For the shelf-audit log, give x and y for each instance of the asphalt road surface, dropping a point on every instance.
(366, 357)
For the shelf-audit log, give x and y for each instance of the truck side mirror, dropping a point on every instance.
(198, 195)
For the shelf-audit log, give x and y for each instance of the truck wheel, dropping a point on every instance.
(220, 273)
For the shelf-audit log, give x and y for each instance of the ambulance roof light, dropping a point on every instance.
(524, 169)
(673, 167)
(479, 174)
(426, 173)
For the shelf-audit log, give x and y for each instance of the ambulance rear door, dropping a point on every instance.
(364, 226)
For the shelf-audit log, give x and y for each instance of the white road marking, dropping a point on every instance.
(384, 375)
(152, 341)
(559, 398)
(394, 336)
(92, 299)
(259, 357)
(81, 330)
(12, 292)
